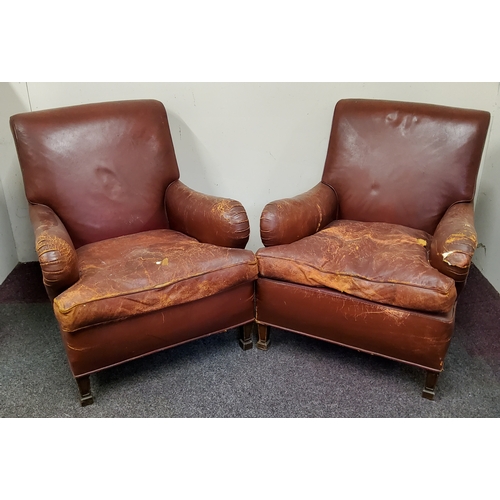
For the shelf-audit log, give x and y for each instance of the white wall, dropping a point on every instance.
(487, 219)
(8, 254)
(13, 206)
(256, 142)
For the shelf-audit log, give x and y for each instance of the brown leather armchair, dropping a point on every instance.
(374, 256)
(133, 260)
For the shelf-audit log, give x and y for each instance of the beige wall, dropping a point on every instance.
(260, 141)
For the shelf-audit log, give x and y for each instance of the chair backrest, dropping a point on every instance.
(103, 168)
(403, 163)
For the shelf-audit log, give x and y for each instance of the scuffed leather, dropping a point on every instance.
(403, 163)
(56, 252)
(101, 346)
(290, 219)
(380, 262)
(104, 169)
(413, 337)
(136, 274)
(454, 242)
(209, 219)
(388, 162)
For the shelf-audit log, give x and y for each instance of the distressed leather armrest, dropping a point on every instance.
(454, 242)
(209, 219)
(290, 219)
(56, 252)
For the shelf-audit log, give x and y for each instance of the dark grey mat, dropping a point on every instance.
(213, 377)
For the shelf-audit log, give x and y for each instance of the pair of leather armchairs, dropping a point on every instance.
(134, 261)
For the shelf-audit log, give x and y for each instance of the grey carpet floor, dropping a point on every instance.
(212, 377)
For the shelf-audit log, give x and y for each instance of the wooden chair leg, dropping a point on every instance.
(430, 385)
(246, 336)
(86, 397)
(264, 341)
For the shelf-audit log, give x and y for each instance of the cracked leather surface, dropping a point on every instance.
(210, 219)
(289, 219)
(55, 250)
(380, 262)
(455, 242)
(145, 272)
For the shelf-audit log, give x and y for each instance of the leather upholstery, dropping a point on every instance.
(291, 219)
(455, 242)
(55, 250)
(375, 255)
(403, 163)
(144, 272)
(385, 263)
(102, 346)
(121, 152)
(199, 216)
(414, 337)
(102, 182)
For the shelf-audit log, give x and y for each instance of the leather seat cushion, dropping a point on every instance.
(145, 272)
(380, 262)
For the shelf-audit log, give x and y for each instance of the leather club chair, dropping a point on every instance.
(133, 260)
(374, 256)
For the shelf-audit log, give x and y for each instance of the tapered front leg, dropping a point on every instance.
(86, 397)
(246, 336)
(264, 341)
(430, 385)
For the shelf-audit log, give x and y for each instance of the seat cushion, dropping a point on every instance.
(380, 262)
(145, 272)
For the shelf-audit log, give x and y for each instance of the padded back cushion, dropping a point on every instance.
(403, 163)
(103, 168)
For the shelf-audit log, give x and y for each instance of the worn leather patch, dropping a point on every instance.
(381, 262)
(145, 272)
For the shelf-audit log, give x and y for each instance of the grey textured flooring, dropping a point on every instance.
(213, 377)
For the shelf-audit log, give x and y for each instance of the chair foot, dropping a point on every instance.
(246, 336)
(264, 340)
(86, 397)
(430, 385)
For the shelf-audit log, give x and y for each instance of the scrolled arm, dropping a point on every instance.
(290, 219)
(209, 219)
(454, 242)
(56, 252)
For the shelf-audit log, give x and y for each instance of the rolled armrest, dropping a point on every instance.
(290, 219)
(209, 219)
(56, 252)
(454, 242)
